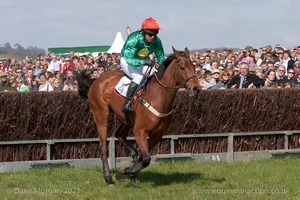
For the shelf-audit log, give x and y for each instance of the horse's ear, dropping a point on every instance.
(176, 53)
(186, 51)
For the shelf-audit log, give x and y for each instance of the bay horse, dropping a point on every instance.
(153, 112)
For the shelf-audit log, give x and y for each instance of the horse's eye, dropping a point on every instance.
(181, 66)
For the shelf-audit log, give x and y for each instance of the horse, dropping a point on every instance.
(153, 109)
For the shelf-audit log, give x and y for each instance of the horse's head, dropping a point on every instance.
(185, 71)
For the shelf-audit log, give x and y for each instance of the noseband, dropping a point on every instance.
(183, 81)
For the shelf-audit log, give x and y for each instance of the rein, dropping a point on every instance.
(182, 81)
(176, 87)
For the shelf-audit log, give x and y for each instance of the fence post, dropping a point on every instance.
(230, 150)
(172, 143)
(49, 143)
(286, 140)
(112, 152)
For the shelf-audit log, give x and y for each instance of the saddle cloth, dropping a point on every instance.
(122, 86)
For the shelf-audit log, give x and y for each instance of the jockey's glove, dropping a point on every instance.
(149, 62)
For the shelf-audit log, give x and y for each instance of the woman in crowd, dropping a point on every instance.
(270, 81)
(56, 84)
(224, 79)
(45, 85)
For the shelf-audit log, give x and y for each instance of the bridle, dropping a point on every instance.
(183, 81)
(182, 84)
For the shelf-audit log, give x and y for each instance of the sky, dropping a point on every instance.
(194, 24)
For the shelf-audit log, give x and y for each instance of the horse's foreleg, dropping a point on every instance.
(144, 158)
(138, 166)
(121, 134)
(141, 140)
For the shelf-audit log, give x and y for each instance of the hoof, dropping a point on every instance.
(122, 170)
(126, 171)
(111, 185)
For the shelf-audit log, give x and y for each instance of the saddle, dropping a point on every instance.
(122, 87)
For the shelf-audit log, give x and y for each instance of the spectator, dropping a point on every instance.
(270, 81)
(209, 81)
(37, 68)
(285, 59)
(196, 57)
(69, 82)
(245, 56)
(55, 63)
(259, 73)
(19, 73)
(95, 73)
(201, 61)
(68, 65)
(21, 87)
(62, 62)
(270, 66)
(293, 58)
(24, 71)
(2, 67)
(281, 77)
(291, 77)
(13, 85)
(298, 80)
(228, 63)
(224, 57)
(56, 85)
(49, 67)
(29, 78)
(35, 83)
(224, 79)
(244, 79)
(45, 85)
(206, 65)
(216, 75)
(221, 67)
(4, 84)
(213, 65)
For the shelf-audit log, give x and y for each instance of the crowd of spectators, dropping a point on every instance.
(266, 67)
(52, 72)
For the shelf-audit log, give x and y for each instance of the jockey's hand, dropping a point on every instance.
(150, 63)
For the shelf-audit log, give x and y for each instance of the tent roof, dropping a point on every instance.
(117, 45)
(63, 50)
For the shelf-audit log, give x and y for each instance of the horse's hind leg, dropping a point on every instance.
(121, 134)
(101, 122)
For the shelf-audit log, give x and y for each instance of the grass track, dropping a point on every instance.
(262, 179)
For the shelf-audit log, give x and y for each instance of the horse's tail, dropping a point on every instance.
(84, 83)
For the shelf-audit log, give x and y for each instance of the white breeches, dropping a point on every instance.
(135, 73)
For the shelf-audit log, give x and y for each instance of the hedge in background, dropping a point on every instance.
(64, 115)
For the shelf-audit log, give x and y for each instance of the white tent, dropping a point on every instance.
(117, 45)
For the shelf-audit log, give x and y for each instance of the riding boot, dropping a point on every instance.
(129, 95)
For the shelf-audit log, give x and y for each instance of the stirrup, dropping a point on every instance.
(127, 108)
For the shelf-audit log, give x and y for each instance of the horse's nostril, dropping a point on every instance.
(194, 91)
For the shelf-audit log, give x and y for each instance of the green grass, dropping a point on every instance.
(262, 179)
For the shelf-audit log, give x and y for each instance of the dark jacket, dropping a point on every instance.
(249, 78)
(282, 81)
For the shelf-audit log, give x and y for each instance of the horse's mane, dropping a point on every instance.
(162, 68)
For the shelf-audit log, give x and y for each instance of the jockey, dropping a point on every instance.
(134, 56)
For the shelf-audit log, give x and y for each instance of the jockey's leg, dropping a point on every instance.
(127, 106)
(136, 74)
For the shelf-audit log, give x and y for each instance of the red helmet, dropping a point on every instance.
(150, 23)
